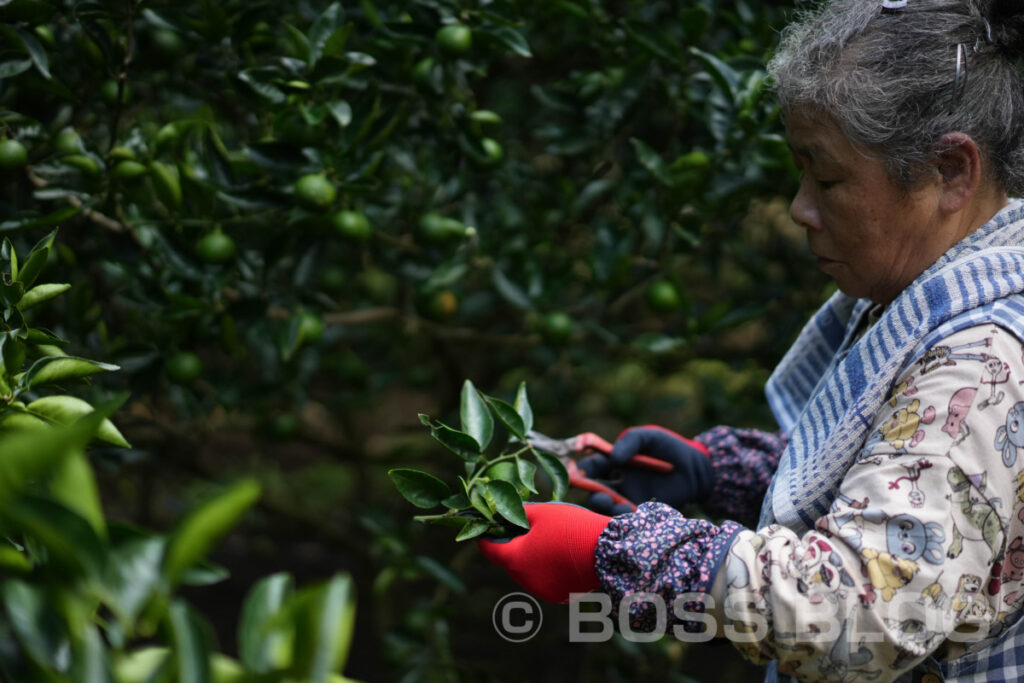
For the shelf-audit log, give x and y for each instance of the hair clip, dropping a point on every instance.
(893, 4)
(959, 78)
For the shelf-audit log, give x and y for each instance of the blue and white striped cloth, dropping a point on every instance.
(828, 388)
(825, 396)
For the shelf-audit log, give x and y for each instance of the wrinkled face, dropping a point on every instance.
(872, 238)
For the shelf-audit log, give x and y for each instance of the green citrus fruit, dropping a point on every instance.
(455, 38)
(85, 164)
(557, 327)
(353, 225)
(129, 170)
(166, 183)
(315, 191)
(12, 154)
(662, 296)
(440, 229)
(215, 247)
(493, 152)
(442, 305)
(695, 160)
(68, 142)
(183, 367)
(122, 153)
(311, 327)
(167, 42)
(423, 71)
(108, 91)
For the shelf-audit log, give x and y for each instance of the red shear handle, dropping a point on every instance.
(589, 441)
(578, 479)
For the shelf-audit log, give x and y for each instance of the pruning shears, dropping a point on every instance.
(589, 443)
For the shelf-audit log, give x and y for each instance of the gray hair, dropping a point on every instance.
(889, 79)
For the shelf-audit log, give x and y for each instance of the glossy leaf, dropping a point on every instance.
(508, 416)
(459, 443)
(261, 646)
(41, 293)
(37, 624)
(556, 472)
(196, 534)
(527, 474)
(54, 370)
(65, 410)
(324, 620)
(36, 260)
(508, 503)
(74, 485)
(419, 488)
(70, 541)
(191, 643)
(523, 408)
(473, 529)
(476, 418)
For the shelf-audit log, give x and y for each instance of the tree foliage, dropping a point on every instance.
(310, 221)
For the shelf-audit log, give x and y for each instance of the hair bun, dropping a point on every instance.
(1007, 19)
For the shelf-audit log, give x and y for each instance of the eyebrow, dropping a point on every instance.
(812, 152)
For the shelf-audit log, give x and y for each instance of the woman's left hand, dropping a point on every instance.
(555, 558)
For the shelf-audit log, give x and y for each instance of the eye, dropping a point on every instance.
(908, 548)
(1012, 424)
(827, 184)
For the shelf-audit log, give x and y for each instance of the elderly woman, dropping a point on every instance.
(891, 534)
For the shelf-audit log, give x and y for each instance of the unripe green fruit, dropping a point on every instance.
(440, 229)
(129, 170)
(455, 38)
(183, 367)
(68, 142)
(216, 247)
(662, 296)
(311, 327)
(557, 327)
(315, 191)
(12, 154)
(353, 225)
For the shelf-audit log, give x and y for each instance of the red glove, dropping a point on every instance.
(556, 556)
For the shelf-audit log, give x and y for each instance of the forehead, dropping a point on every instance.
(816, 136)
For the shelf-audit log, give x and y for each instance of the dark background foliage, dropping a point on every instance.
(522, 197)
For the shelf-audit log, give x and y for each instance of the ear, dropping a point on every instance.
(959, 165)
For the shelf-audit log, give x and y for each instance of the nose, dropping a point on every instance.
(803, 209)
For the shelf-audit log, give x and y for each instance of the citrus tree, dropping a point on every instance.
(295, 226)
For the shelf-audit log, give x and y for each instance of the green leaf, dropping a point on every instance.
(473, 529)
(197, 533)
(508, 416)
(36, 52)
(480, 503)
(324, 620)
(523, 409)
(27, 456)
(36, 623)
(262, 81)
(653, 162)
(511, 39)
(35, 222)
(262, 647)
(13, 67)
(724, 75)
(476, 419)
(527, 474)
(89, 658)
(320, 33)
(74, 484)
(41, 293)
(508, 502)
(556, 471)
(459, 443)
(456, 501)
(419, 488)
(299, 41)
(133, 576)
(52, 370)
(65, 410)
(191, 643)
(442, 573)
(36, 260)
(69, 539)
(14, 561)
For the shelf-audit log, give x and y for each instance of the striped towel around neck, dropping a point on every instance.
(826, 391)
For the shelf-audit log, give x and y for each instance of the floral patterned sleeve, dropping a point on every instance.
(744, 462)
(921, 553)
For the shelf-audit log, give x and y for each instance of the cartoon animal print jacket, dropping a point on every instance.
(921, 554)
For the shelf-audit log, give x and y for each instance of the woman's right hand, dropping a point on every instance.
(690, 480)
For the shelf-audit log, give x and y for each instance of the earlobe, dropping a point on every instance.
(959, 165)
